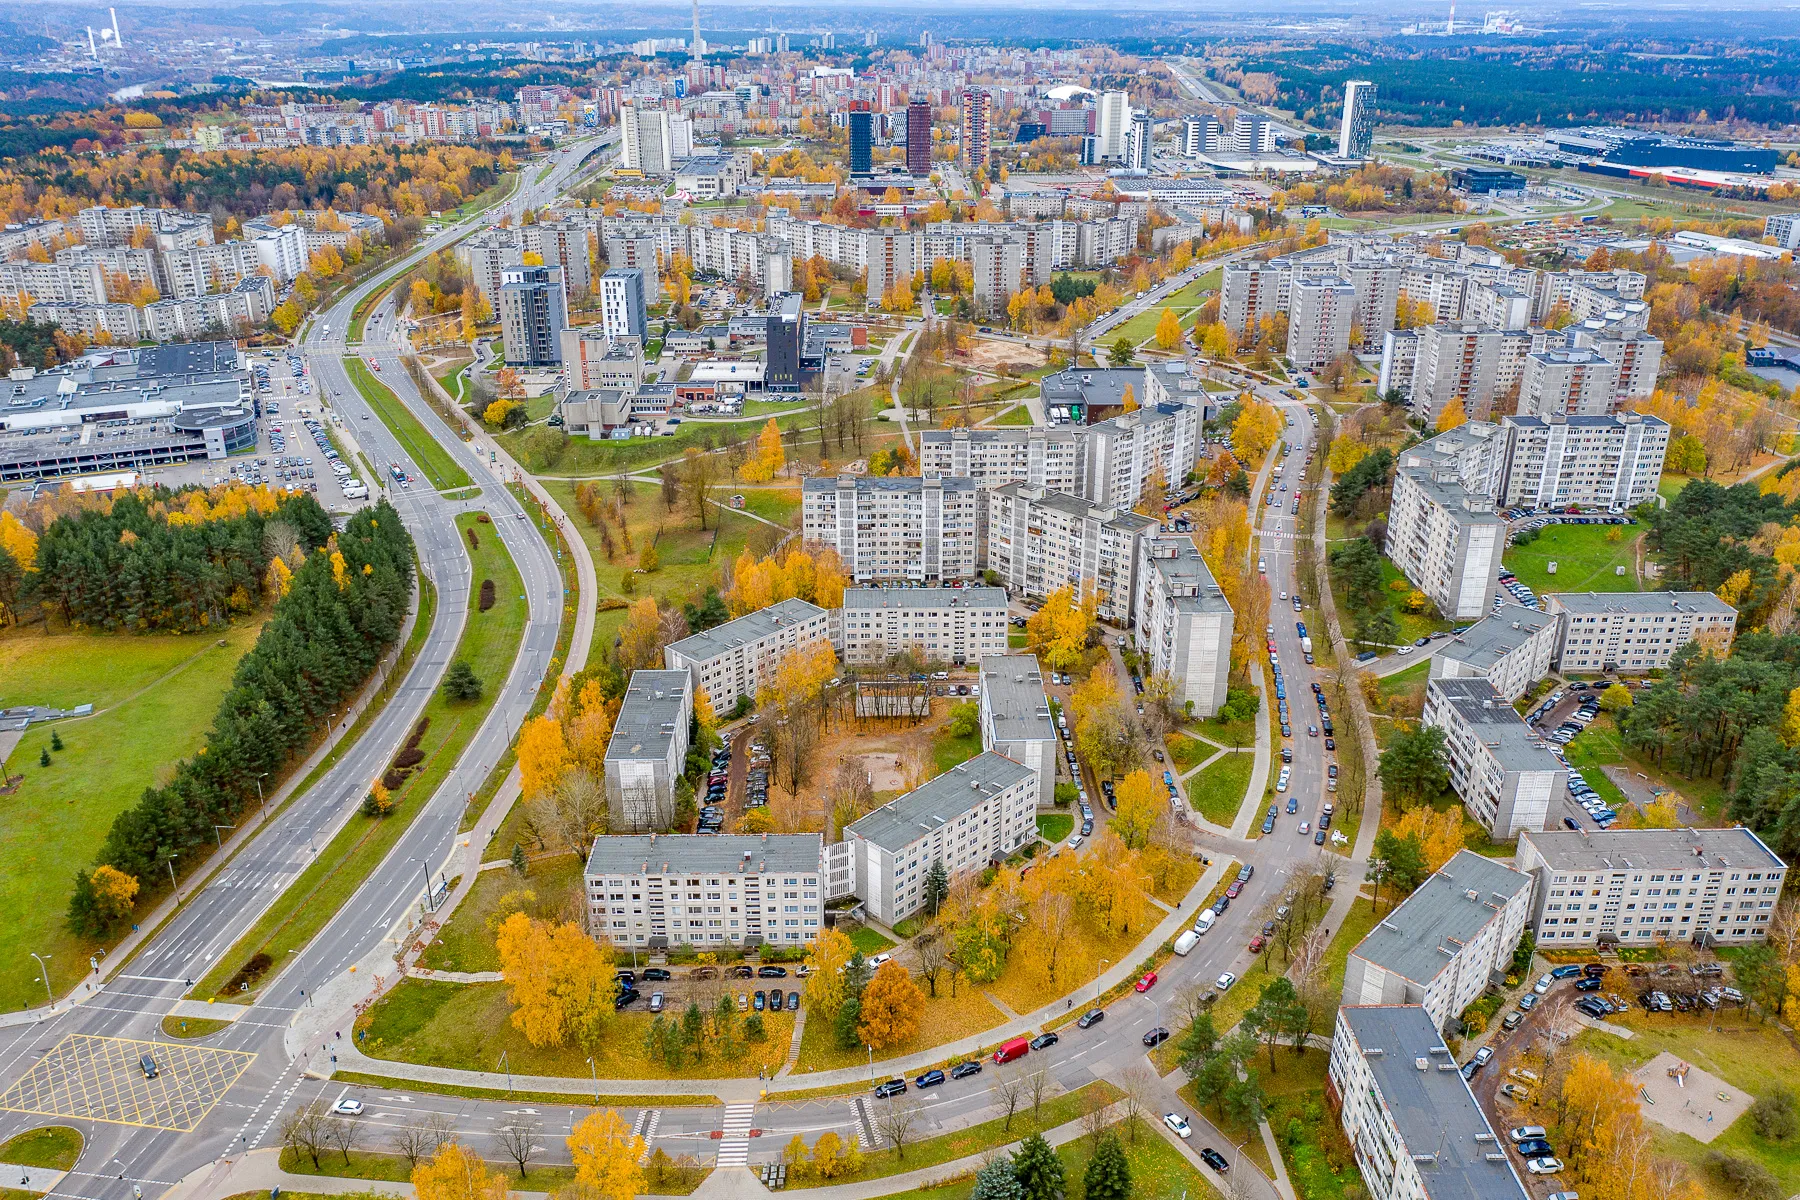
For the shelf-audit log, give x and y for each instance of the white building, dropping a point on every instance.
(1511, 648)
(1644, 886)
(737, 658)
(1319, 320)
(1446, 942)
(657, 891)
(1633, 632)
(1015, 717)
(651, 140)
(1121, 458)
(1112, 124)
(1184, 622)
(1785, 229)
(1476, 364)
(1602, 461)
(648, 747)
(895, 528)
(940, 625)
(969, 816)
(1038, 541)
(1508, 779)
(1443, 537)
(1047, 458)
(1568, 382)
(1408, 1113)
(1356, 133)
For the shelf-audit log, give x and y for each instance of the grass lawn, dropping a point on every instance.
(632, 1100)
(1017, 415)
(469, 1025)
(947, 750)
(1218, 792)
(1403, 692)
(1319, 1160)
(1143, 326)
(1157, 1168)
(430, 457)
(53, 1146)
(490, 642)
(1671, 485)
(465, 943)
(190, 1027)
(155, 695)
(1357, 923)
(1594, 747)
(1239, 734)
(1412, 625)
(1017, 641)
(868, 941)
(1585, 560)
(946, 1018)
(1055, 826)
(1184, 751)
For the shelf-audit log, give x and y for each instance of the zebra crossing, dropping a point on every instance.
(648, 1121)
(734, 1146)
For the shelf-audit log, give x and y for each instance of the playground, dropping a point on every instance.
(1680, 1096)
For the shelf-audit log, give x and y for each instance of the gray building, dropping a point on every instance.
(734, 659)
(895, 529)
(1635, 632)
(1511, 649)
(649, 744)
(655, 891)
(1015, 717)
(622, 303)
(1408, 1113)
(533, 313)
(1444, 537)
(941, 625)
(1446, 942)
(1507, 777)
(1184, 622)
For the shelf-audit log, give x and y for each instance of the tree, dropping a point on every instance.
(768, 459)
(1615, 698)
(115, 894)
(1122, 352)
(1199, 1041)
(518, 1139)
(461, 682)
(1108, 1175)
(640, 643)
(1773, 1115)
(607, 1155)
(1139, 807)
(1058, 631)
(1245, 1099)
(996, 1181)
(1168, 330)
(1402, 862)
(559, 980)
(1277, 1013)
(1412, 766)
(1008, 1091)
(421, 1137)
(698, 472)
(1038, 1170)
(304, 1132)
(543, 755)
(898, 1123)
(891, 1007)
(937, 887)
(1452, 415)
(456, 1172)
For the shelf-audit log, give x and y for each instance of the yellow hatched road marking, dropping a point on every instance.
(101, 1079)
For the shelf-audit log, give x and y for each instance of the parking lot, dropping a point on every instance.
(750, 988)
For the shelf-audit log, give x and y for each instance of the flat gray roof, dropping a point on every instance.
(925, 597)
(1595, 603)
(1579, 421)
(1075, 506)
(1493, 637)
(1433, 1111)
(738, 854)
(1012, 689)
(904, 820)
(748, 628)
(1416, 940)
(1615, 849)
(1095, 385)
(1186, 576)
(889, 483)
(649, 715)
(1453, 497)
(1499, 726)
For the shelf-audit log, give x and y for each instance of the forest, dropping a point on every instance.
(341, 607)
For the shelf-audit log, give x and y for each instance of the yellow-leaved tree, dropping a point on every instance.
(1256, 428)
(825, 959)
(1139, 805)
(1439, 834)
(606, 1155)
(1057, 632)
(1452, 415)
(456, 1172)
(115, 893)
(543, 755)
(558, 978)
(767, 457)
(891, 1007)
(1168, 330)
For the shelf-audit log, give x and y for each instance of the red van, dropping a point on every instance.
(1017, 1048)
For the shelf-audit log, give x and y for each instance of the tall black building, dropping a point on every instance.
(862, 138)
(786, 337)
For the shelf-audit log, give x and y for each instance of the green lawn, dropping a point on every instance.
(1357, 923)
(1408, 687)
(868, 941)
(947, 750)
(1218, 792)
(465, 943)
(1055, 827)
(490, 642)
(1185, 752)
(1017, 415)
(1319, 1160)
(155, 696)
(430, 457)
(1143, 326)
(1594, 747)
(1158, 1170)
(53, 1146)
(1412, 625)
(1585, 560)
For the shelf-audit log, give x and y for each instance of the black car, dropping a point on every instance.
(963, 1070)
(1534, 1148)
(1091, 1018)
(890, 1087)
(928, 1079)
(1589, 984)
(1215, 1160)
(771, 972)
(1044, 1041)
(1087, 828)
(1220, 905)
(1592, 1008)
(657, 973)
(625, 1000)
(1572, 823)
(1331, 743)
(1156, 1037)
(775, 1000)
(1318, 837)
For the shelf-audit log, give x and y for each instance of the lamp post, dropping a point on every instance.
(423, 866)
(260, 803)
(218, 837)
(173, 886)
(43, 961)
(594, 1074)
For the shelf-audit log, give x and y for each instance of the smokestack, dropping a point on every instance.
(92, 52)
(1449, 27)
(117, 44)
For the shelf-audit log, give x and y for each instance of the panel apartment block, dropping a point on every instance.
(1046, 458)
(1184, 622)
(1634, 632)
(895, 529)
(1511, 648)
(1040, 540)
(649, 745)
(1594, 461)
(1646, 886)
(1445, 538)
(1508, 779)
(656, 891)
(1015, 717)
(736, 658)
(941, 625)
(1122, 457)
(1319, 319)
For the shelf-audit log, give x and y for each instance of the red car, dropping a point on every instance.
(1256, 943)
(1147, 982)
(1235, 890)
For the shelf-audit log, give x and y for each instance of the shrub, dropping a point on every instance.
(1773, 1115)
(249, 973)
(393, 780)
(1749, 1180)
(487, 594)
(408, 758)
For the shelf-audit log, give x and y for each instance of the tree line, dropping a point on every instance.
(340, 610)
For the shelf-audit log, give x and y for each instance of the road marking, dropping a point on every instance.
(100, 1078)
(734, 1147)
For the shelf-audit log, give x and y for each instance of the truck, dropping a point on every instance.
(1306, 645)
(1017, 1048)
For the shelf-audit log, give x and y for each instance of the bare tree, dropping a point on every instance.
(342, 1134)
(518, 1140)
(898, 1124)
(421, 1137)
(1008, 1090)
(1096, 1115)
(933, 948)
(304, 1132)
(1137, 1083)
(1038, 1085)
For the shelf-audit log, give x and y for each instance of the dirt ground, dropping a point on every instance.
(1686, 1109)
(882, 748)
(989, 354)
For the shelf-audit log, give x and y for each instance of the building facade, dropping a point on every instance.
(648, 747)
(1446, 539)
(622, 303)
(894, 529)
(1038, 541)
(1183, 622)
(1015, 717)
(1508, 779)
(1042, 457)
(1633, 632)
(1512, 648)
(533, 313)
(940, 625)
(658, 891)
(736, 658)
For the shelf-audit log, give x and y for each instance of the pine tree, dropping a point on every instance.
(44, 757)
(518, 858)
(1108, 1174)
(937, 885)
(461, 682)
(1038, 1170)
(56, 741)
(996, 1181)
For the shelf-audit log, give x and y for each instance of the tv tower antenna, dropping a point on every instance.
(697, 51)
(1449, 26)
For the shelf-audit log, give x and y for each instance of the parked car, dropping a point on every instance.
(349, 1106)
(963, 1070)
(1044, 1041)
(1156, 1037)
(929, 1079)
(1223, 982)
(1178, 1123)
(1215, 1160)
(1091, 1018)
(1544, 1166)
(890, 1087)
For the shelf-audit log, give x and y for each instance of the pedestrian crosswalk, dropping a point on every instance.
(646, 1125)
(734, 1146)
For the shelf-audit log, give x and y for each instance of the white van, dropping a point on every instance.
(1205, 921)
(1186, 942)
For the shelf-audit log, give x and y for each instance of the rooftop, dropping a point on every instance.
(1076, 507)
(1501, 729)
(1493, 637)
(904, 820)
(1640, 602)
(748, 628)
(739, 854)
(1417, 940)
(1611, 849)
(1012, 690)
(1441, 1127)
(1177, 562)
(925, 597)
(887, 483)
(655, 705)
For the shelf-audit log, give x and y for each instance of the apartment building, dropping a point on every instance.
(1039, 540)
(648, 747)
(659, 891)
(652, 140)
(1507, 778)
(977, 127)
(1446, 942)
(533, 312)
(1511, 648)
(1377, 287)
(592, 359)
(1183, 622)
(972, 814)
(1015, 716)
(1250, 291)
(736, 658)
(1444, 537)
(1600, 461)
(1407, 1112)
(895, 529)
(1645, 886)
(1635, 355)
(1122, 458)
(1568, 382)
(940, 625)
(998, 265)
(1320, 315)
(1042, 457)
(1629, 633)
(1785, 229)
(622, 303)
(1459, 361)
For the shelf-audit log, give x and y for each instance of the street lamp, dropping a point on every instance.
(44, 967)
(594, 1074)
(173, 886)
(423, 866)
(217, 837)
(259, 795)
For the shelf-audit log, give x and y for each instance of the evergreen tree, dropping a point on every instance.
(518, 858)
(937, 885)
(1108, 1174)
(1198, 1043)
(996, 1181)
(1038, 1170)
(44, 757)
(461, 682)
(56, 741)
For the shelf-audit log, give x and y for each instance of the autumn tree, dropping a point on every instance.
(891, 1007)
(640, 643)
(559, 980)
(1168, 330)
(456, 1172)
(543, 755)
(115, 893)
(606, 1155)
(1256, 429)
(768, 457)
(826, 958)
(1058, 631)
(1139, 806)
(1439, 834)
(1452, 415)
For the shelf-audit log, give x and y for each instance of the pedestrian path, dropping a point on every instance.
(648, 1121)
(793, 1055)
(734, 1147)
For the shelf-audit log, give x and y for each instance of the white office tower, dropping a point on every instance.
(1112, 124)
(1251, 133)
(1137, 143)
(1356, 136)
(1320, 314)
(1201, 135)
